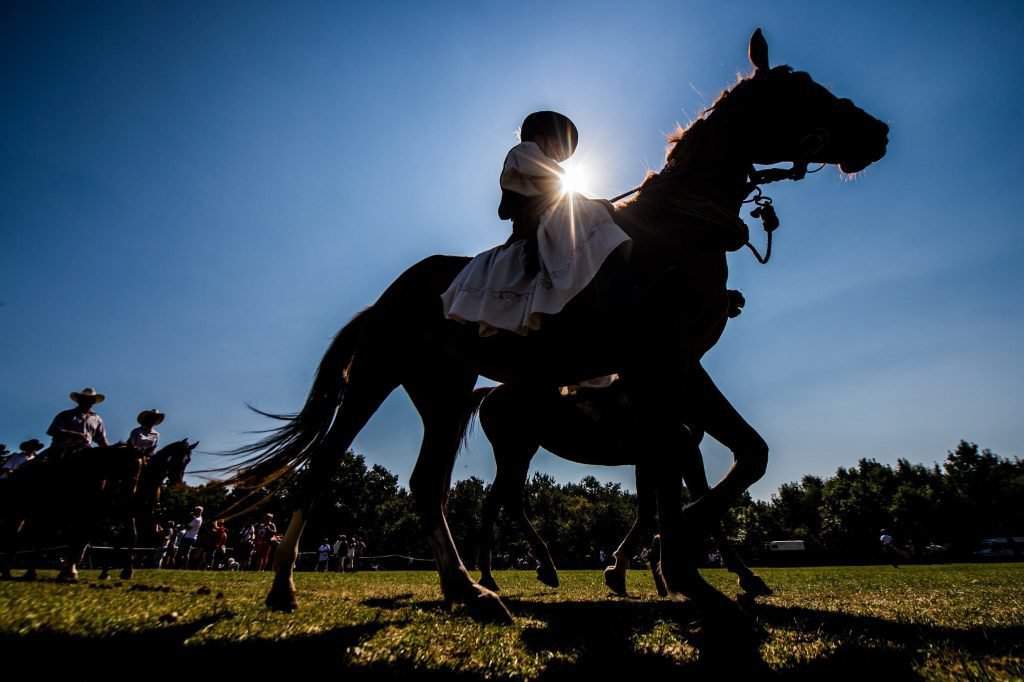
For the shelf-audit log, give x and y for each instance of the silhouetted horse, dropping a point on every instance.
(589, 426)
(653, 311)
(72, 493)
(134, 513)
(67, 494)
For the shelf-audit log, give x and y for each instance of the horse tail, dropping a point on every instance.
(278, 455)
(475, 401)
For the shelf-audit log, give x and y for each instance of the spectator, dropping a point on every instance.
(79, 427)
(358, 549)
(341, 551)
(188, 540)
(170, 546)
(144, 437)
(28, 453)
(323, 556)
(265, 536)
(246, 546)
(220, 541)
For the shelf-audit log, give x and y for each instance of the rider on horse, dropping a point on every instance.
(78, 427)
(145, 437)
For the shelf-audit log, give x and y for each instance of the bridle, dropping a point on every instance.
(764, 209)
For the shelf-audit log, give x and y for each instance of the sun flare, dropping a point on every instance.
(574, 179)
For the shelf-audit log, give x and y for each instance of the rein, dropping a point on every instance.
(764, 209)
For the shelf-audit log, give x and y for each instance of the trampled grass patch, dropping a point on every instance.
(939, 622)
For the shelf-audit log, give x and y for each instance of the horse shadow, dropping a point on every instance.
(599, 639)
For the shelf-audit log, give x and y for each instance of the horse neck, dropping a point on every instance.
(118, 464)
(680, 211)
(710, 162)
(152, 477)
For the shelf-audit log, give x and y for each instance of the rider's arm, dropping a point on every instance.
(101, 435)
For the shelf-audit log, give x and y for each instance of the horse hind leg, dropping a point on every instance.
(366, 391)
(512, 429)
(444, 403)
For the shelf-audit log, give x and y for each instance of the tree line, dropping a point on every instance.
(971, 495)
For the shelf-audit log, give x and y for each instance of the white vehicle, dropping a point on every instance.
(1000, 548)
(787, 546)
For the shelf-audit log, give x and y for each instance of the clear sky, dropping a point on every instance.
(195, 196)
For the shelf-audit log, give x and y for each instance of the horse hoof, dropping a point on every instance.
(103, 576)
(489, 582)
(686, 581)
(282, 601)
(547, 575)
(29, 576)
(753, 586)
(615, 581)
(127, 574)
(66, 577)
(486, 606)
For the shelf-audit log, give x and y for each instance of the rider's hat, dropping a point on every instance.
(33, 445)
(90, 393)
(153, 417)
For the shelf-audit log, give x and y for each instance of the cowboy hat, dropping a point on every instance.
(88, 392)
(154, 416)
(33, 445)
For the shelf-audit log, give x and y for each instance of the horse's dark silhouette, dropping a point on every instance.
(71, 492)
(652, 312)
(135, 514)
(589, 426)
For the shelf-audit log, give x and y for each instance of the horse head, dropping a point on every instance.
(178, 456)
(783, 115)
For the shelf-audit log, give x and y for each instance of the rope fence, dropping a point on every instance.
(107, 548)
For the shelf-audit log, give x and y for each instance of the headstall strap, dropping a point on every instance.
(764, 209)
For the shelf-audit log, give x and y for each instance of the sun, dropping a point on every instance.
(574, 179)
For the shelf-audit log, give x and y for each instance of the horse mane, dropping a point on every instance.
(680, 138)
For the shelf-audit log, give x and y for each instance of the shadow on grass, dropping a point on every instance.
(600, 637)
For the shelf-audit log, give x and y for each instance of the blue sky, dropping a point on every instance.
(195, 196)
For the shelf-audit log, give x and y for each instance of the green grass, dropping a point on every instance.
(939, 622)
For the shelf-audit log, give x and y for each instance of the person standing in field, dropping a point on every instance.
(265, 534)
(188, 540)
(220, 541)
(890, 549)
(323, 556)
(340, 551)
(246, 546)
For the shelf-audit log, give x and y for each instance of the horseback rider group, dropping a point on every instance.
(81, 427)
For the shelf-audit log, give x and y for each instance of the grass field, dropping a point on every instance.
(940, 622)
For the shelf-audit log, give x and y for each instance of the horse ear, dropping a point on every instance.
(193, 446)
(758, 53)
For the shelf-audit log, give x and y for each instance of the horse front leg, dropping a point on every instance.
(130, 540)
(444, 409)
(615, 575)
(696, 479)
(719, 418)
(684, 532)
